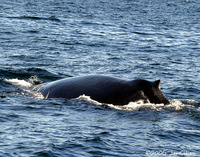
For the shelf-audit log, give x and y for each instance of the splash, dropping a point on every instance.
(87, 98)
(175, 104)
(138, 105)
(18, 82)
(26, 86)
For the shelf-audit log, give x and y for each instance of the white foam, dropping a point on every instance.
(87, 98)
(18, 82)
(179, 105)
(133, 106)
(26, 87)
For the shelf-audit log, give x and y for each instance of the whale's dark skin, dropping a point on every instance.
(104, 89)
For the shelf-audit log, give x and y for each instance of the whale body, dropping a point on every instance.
(104, 89)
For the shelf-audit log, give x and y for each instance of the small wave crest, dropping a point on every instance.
(52, 18)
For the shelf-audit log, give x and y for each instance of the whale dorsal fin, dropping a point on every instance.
(156, 84)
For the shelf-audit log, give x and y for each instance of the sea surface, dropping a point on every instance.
(46, 40)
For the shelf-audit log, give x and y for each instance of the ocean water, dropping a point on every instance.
(42, 41)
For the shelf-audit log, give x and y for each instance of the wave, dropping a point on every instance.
(52, 18)
(24, 73)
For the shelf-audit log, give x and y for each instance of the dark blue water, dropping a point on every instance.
(129, 39)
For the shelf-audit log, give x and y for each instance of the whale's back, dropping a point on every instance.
(100, 88)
